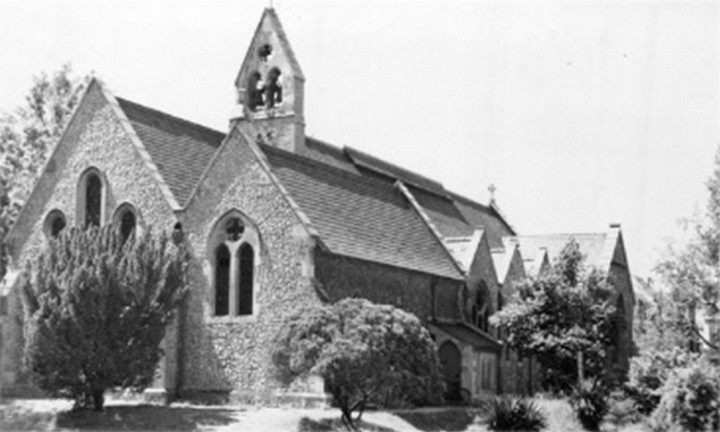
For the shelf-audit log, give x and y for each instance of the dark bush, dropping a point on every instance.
(96, 307)
(513, 414)
(590, 402)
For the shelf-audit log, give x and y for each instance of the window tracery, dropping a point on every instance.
(234, 263)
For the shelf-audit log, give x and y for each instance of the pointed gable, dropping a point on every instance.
(600, 249)
(269, 31)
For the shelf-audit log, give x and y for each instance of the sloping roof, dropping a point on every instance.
(347, 194)
(453, 215)
(478, 214)
(180, 149)
(360, 216)
(593, 246)
(467, 334)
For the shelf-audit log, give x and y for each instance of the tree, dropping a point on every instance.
(560, 314)
(366, 353)
(692, 268)
(96, 308)
(27, 136)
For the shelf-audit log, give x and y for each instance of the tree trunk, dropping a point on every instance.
(98, 398)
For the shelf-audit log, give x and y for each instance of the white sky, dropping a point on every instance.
(581, 113)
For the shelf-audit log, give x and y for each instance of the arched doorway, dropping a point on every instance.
(451, 361)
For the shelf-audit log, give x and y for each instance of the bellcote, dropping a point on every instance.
(270, 88)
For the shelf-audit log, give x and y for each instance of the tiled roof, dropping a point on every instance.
(443, 213)
(348, 195)
(467, 334)
(360, 216)
(594, 246)
(379, 166)
(180, 149)
(480, 215)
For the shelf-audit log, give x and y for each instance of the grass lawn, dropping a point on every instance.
(54, 415)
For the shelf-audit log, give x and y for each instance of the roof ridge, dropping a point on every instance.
(323, 143)
(370, 181)
(459, 197)
(396, 166)
(593, 233)
(169, 116)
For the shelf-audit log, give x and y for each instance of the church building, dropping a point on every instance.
(275, 220)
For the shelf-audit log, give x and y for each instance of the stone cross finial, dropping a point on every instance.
(492, 189)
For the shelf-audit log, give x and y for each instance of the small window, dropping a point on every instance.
(127, 224)
(93, 200)
(54, 223)
(222, 280)
(255, 89)
(126, 220)
(247, 266)
(265, 51)
(481, 309)
(273, 88)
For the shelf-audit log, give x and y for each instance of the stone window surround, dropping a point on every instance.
(50, 219)
(218, 236)
(128, 207)
(80, 196)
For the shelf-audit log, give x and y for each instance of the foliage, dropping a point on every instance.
(26, 137)
(559, 314)
(589, 399)
(366, 353)
(692, 268)
(658, 325)
(513, 414)
(96, 310)
(690, 401)
(649, 372)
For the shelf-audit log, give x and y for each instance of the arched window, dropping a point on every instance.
(247, 268)
(126, 219)
(255, 90)
(222, 280)
(273, 88)
(481, 309)
(93, 200)
(54, 223)
(127, 224)
(234, 243)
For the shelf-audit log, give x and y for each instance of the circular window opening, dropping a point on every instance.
(265, 51)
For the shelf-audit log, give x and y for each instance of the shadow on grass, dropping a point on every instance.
(335, 424)
(145, 418)
(450, 419)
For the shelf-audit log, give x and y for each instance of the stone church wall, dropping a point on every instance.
(95, 138)
(233, 353)
(341, 277)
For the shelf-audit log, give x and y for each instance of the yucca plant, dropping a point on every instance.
(516, 414)
(589, 400)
